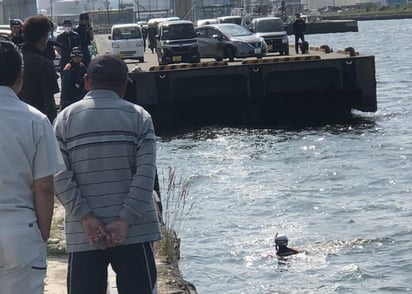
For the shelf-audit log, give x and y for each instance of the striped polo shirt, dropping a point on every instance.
(109, 148)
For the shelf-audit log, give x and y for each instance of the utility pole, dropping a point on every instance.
(108, 8)
(51, 10)
(138, 9)
(93, 4)
(118, 11)
(194, 16)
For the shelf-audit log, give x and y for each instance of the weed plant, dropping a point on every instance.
(176, 209)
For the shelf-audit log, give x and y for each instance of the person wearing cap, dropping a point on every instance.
(73, 79)
(29, 158)
(299, 27)
(109, 147)
(69, 39)
(40, 81)
(16, 27)
(281, 245)
(85, 31)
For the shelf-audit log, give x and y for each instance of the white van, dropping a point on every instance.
(127, 41)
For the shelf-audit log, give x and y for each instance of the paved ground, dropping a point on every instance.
(104, 46)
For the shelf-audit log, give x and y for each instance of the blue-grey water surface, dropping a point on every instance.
(342, 192)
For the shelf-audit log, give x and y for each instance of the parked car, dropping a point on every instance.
(142, 24)
(127, 41)
(6, 33)
(202, 22)
(274, 33)
(59, 30)
(227, 40)
(176, 42)
(172, 18)
(229, 19)
(247, 19)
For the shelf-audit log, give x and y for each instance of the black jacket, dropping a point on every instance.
(68, 41)
(40, 81)
(72, 83)
(299, 27)
(85, 35)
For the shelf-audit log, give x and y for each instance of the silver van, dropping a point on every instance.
(229, 40)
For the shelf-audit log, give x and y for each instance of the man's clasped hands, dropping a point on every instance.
(113, 234)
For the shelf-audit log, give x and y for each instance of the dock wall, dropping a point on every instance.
(257, 92)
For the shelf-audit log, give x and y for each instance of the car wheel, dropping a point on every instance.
(218, 58)
(230, 53)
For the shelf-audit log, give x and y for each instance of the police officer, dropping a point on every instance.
(16, 27)
(72, 79)
(69, 39)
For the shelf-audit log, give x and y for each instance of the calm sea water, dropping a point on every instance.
(342, 193)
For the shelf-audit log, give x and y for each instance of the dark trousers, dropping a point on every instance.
(134, 266)
(297, 37)
(86, 57)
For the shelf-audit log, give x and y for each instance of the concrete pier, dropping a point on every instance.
(319, 85)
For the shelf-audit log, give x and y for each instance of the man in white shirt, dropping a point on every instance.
(28, 159)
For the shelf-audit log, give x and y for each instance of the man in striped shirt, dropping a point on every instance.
(109, 149)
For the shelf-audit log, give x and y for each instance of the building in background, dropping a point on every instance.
(18, 9)
(316, 4)
(70, 7)
(1, 12)
(142, 8)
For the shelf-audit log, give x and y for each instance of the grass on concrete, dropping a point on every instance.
(176, 209)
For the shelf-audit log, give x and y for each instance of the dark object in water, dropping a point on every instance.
(282, 249)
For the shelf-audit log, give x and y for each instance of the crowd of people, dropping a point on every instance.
(97, 156)
(73, 47)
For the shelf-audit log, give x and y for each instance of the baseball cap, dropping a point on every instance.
(107, 68)
(281, 240)
(83, 16)
(16, 22)
(67, 23)
(76, 52)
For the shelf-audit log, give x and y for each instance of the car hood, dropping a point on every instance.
(247, 39)
(272, 34)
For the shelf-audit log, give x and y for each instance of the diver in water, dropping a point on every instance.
(282, 249)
